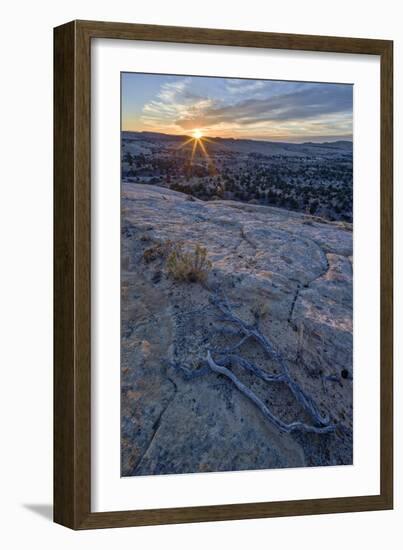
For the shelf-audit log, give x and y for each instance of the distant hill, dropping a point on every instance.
(248, 145)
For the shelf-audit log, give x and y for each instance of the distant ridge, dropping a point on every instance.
(179, 137)
(249, 145)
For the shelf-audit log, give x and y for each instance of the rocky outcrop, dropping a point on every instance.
(294, 272)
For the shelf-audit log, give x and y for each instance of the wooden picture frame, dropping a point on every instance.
(72, 269)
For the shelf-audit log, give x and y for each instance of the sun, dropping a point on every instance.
(197, 134)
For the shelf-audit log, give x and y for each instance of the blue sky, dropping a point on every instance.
(238, 108)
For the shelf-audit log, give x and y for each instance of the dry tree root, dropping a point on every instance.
(227, 357)
(246, 332)
(282, 426)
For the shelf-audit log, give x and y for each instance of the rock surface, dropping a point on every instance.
(296, 271)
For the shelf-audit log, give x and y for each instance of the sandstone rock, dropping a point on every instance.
(299, 274)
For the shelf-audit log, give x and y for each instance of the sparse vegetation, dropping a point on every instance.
(316, 180)
(190, 267)
(160, 250)
(260, 309)
(346, 225)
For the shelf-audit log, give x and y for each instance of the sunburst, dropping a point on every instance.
(197, 140)
(197, 134)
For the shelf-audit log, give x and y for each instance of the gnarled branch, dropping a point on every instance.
(246, 332)
(253, 331)
(282, 426)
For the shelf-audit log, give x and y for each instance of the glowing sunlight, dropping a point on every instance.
(197, 134)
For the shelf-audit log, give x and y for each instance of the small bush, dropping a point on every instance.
(160, 250)
(260, 309)
(191, 267)
(346, 225)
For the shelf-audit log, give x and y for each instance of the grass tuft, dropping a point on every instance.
(189, 267)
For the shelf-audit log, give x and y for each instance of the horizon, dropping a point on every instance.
(231, 108)
(326, 139)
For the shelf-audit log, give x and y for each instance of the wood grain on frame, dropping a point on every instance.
(72, 265)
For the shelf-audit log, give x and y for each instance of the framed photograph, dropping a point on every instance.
(223, 275)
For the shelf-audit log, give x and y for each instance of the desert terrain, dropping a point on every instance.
(236, 347)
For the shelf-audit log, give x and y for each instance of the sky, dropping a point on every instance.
(237, 108)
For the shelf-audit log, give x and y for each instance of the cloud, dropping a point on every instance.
(243, 105)
(174, 100)
(170, 90)
(244, 86)
(303, 104)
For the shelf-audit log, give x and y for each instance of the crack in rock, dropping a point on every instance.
(248, 240)
(307, 285)
(291, 312)
(157, 425)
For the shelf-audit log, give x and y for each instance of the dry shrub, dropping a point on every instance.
(260, 309)
(160, 250)
(190, 267)
(346, 225)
